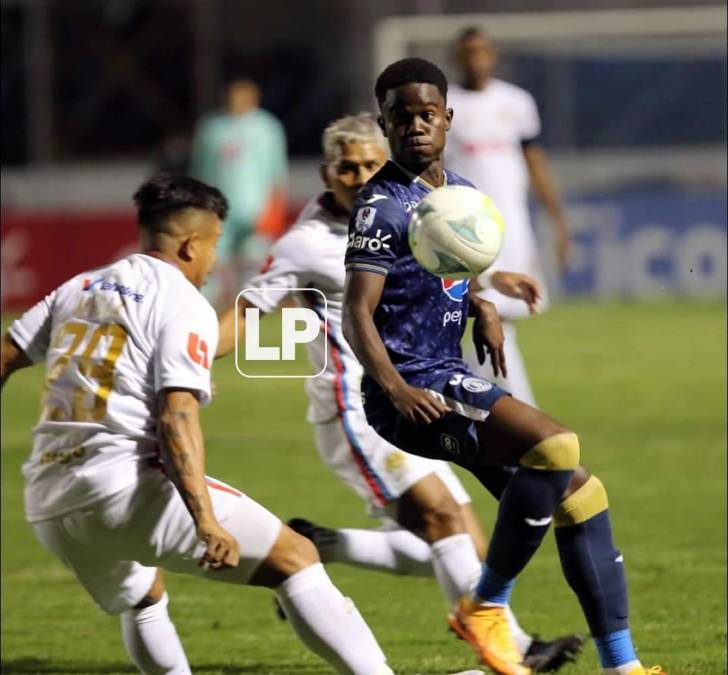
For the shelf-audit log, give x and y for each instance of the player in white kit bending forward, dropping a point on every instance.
(430, 525)
(115, 484)
(493, 142)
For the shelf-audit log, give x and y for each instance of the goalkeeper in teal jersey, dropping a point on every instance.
(242, 151)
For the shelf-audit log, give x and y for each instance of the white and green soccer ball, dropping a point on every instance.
(456, 232)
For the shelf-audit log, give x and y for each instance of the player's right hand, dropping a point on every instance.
(222, 548)
(417, 405)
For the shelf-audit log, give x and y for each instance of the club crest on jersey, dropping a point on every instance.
(455, 290)
(364, 218)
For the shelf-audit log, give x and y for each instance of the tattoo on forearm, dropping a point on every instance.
(195, 502)
(181, 441)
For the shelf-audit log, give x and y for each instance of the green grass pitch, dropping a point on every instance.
(643, 384)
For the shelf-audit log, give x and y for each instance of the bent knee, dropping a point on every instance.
(290, 554)
(441, 518)
(154, 594)
(559, 452)
(299, 553)
(586, 501)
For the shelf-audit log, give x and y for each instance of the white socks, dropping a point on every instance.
(624, 669)
(394, 551)
(152, 642)
(329, 624)
(456, 565)
(452, 560)
(523, 639)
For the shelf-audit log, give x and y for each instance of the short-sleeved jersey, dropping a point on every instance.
(485, 141)
(420, 317)
(111, 339)
(311, 255)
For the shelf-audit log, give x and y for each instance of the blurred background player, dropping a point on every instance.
(128, 350)
(494, 144)
(241, 150)
(429, 525)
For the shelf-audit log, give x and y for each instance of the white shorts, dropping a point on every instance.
(520, 253)
(376, 470)
(115, 547)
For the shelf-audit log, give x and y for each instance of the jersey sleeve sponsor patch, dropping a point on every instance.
(184, 353)
(197, 350)
(364, 217)
(373, 236)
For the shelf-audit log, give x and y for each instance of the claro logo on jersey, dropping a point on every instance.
(373, 243)
(102, 284)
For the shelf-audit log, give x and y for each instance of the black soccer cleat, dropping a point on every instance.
(320, 536)
(548, 656)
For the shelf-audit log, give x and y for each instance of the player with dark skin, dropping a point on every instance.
(529, 461)
(415, 120)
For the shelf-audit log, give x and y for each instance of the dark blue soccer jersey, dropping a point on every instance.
(420, 317)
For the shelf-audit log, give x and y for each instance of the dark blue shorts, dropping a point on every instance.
(454, 436)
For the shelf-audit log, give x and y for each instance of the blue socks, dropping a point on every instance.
(615, 649)
(595, 572)
(524, 515)
(493, 587)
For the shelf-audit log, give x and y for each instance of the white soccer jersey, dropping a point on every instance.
(484, 146)
(311, 255)
(111, 339)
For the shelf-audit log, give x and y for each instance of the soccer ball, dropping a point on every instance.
(456, 232)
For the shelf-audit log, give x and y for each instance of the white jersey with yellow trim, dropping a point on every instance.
(111, 339)
(311, 255)
(485, 146)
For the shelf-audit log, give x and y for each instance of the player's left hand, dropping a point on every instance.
(222, 548)
(488, 335)
(519, 286)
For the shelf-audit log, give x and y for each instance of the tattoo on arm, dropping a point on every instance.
(183, 448)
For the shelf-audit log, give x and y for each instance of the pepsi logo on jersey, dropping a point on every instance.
(455, 289)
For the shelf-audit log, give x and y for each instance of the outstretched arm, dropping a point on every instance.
(362, 292)
(513, 285)
(227, 319)
(12, 358)
(183, 448)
